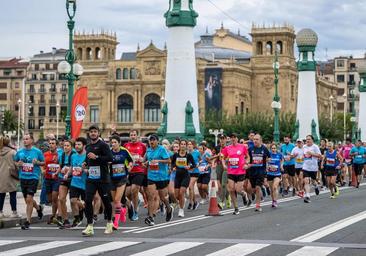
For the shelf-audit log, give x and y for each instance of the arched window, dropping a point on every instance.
(152, 108)
(125, 108)
(259, 48)
(125, 73)
(80, 53)
(279, 47)
(98, 53)
(118, 74)
(269, 50)
(132, 73)
(89, 53)
(242, 107)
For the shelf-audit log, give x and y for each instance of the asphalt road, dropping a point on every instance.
(323, 227)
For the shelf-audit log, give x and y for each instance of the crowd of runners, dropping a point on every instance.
(119, 179)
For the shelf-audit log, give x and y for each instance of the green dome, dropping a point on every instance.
(306, 37)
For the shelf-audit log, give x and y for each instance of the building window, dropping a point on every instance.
(351, 79)
(42, 88)
(3, 85)
(352, 66)
(80, 53)
(40, 123)
(152, 108)
(125, 73)
(31, 88)
(34, 76)
(242, 107)
(292, 91)
(118, 74)
(53, 111)
(125, 108)
(89, 54)
(42, 99)
(98, 53)
(3, 96)
(30, 124)
(31, 99)
(63, 99)
(236, 110)
(53, 99)
(340, 78)
(132, 73)
(41, 111)
(340, 106)
(279, 47)
(269, 49)
(340, 63)
(53, 88)
(7, 72)
(47, 66)
(340, 92)
(94, 114)
(44, 77)
(52, 77)
(259, 48)
(64, 88)
(30, 111)
(16, 85)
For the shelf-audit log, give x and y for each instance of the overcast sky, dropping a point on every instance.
(28, 26)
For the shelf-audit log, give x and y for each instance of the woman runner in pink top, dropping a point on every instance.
(235, 158)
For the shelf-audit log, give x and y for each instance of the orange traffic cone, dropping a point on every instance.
(213, 209)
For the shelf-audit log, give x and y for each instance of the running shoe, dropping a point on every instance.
(50, 220)
(95, 218)
(130, 212)
(258, 208)
(274, 204)
(253, 196)
(76, 223)
(195, 205)
(285, 192)
(66, 224)
(149, 221)
(293, 192)
(332, 197)
(236, 211)
(135, 216)
(221, 205)
(336, 191)
(25, 225)
(14, 214)
(181, 213)
(358, 185)
(88, 231)
(307, 200)
(317, 190)
(169, 214)
(189, 206)
(40, 212)
(203, 201)
(122, 216)
(162, 209)
(350, 184)
(109, 228)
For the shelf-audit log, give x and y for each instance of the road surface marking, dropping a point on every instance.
(313, 250)
(239, 250)
(94, 250)
(324, 231)
(75, 228)
(168, 249)
(6, 242)
(37, 248)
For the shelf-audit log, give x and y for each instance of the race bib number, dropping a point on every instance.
(348, 161)
(234, 162)
(181, 162)
(272, 168)
(118, 169)
(153, 167)
(287, 158)
(331, 161)
(52, 168)
(94, 172)
(77, 171)
(202, 168)
(308, 156)
(359, 157)
(299, 160)
(27, 168)
(136, 159)
(257, 160)
(65, 169)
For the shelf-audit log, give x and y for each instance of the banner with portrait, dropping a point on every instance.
(213, 89)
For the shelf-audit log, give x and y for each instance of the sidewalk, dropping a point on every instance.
(21, 209)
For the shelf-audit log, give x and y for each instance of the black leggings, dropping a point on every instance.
(13, 201)
(104, 191)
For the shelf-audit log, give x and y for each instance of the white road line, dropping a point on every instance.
(168, 249)
(224, 212)
(324, 231)
(95, 250)
(37, 248)
(313, 250)
(239, 250)
(6, 242)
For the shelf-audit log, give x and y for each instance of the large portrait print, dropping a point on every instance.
(213, 89)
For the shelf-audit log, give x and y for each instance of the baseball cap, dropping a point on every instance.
(299, 140)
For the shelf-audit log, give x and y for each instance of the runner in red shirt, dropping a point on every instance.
(51, 181)
(137, 177)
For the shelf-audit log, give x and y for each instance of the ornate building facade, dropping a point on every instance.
(128, 92)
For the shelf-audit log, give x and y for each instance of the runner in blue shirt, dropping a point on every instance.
(204, 172)
(358, 152)
(194, 173)
(288, 166)
(331, 163)
(78, 181)
(157, 158)
(29, 159)
(274, 167)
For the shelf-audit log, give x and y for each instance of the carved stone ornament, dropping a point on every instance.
(152, 68)
(268, 83)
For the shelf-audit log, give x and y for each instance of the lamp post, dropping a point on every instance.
(216, 133)
(68, 67)
(57, 117)
(344, 116)
(331, 99)
(353, 118)
(2, 112)
(19, 104)
(276, 105)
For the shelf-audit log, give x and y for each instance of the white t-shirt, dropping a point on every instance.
(299, 159)
(310, 162)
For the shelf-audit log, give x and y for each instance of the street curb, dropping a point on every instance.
(16, 222)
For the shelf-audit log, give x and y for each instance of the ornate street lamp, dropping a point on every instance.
(216, 133)
(276, 105)
(68, 67)
(19, 103)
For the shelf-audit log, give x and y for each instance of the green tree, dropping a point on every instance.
(10, 122)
